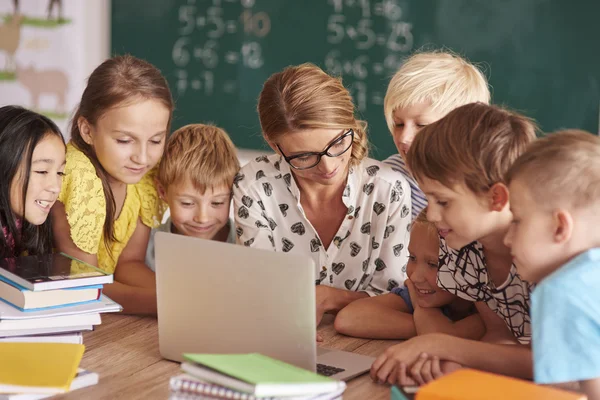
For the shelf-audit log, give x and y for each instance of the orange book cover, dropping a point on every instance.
(469, 384)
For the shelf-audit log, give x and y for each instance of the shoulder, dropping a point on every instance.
(395, 161)
(78, 165)
(261, 170)
(81, 182)
(151, 207)
(260, 167)
(576, 283)
(462, 271)
(581, 270)
(380, 173)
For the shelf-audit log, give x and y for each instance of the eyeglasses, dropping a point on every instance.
(311, 159)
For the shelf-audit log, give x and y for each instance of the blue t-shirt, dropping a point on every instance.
(418, 199)
(565, 314)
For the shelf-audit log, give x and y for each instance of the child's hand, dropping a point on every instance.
(427, 369)
(400, 358)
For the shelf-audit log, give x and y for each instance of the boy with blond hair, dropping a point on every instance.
(195, 178)
(555, 241)
(460, 163)
(426, 87)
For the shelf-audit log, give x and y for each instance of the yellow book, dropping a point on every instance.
(469, 384)
(38, 367)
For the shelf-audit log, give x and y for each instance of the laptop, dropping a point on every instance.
(216, 297)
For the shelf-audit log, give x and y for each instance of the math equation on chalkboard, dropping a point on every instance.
(220, 42)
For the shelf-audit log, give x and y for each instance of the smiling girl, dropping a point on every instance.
(32, 161)
(109, 203)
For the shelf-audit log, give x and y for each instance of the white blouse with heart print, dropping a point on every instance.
(370, 250)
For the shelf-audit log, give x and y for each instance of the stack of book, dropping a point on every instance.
(32, 371)
(249, 377)
(50, 298)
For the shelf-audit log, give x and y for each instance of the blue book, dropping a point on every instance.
(27, 300)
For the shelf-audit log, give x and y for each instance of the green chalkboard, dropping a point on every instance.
(541, 56)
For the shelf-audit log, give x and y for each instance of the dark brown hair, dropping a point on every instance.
(118, 80)
(474, 144)
(21, 131)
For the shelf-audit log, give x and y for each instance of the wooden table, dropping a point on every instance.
(124, 352)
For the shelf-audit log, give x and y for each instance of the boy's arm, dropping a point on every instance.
(492, 355)
(432, 320)
(504, 359)
(379, 317)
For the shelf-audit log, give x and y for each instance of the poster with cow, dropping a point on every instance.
(43, 53)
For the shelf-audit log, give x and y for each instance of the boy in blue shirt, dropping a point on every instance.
(554, 239)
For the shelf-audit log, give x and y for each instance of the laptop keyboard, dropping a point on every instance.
(328, 370)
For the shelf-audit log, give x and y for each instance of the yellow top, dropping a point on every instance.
(85, 206)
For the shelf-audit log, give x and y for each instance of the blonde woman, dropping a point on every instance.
(319, 195)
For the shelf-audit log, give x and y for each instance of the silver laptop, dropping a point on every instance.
(217, 297)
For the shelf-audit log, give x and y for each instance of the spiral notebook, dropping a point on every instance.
(185, 386)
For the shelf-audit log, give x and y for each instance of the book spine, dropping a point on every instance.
(178, 385)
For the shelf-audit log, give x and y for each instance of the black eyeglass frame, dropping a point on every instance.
(321, 153)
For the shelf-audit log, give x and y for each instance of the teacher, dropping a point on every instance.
(319, 195)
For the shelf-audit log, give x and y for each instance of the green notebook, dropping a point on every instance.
(258, 374)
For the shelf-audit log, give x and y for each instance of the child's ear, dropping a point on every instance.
(562, 226)
(498, 197)
(162, 191)
(85, 129)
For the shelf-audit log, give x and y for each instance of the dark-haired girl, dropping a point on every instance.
(32, 163)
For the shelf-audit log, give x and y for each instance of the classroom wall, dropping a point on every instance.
(539, 56)
(45, 61)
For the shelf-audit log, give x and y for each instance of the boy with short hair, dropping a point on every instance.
(460, 162)
(554, 238)
(427, 87)
(195, 178)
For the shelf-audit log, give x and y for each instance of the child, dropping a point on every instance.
(108, 202)
(554, 238)
(425, 88)
(419, 307)
(32, 161)
(195, 179)
(460, 162)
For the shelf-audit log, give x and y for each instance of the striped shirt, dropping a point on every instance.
(419, 201)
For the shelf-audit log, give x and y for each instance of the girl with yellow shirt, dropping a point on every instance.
(108, 202)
